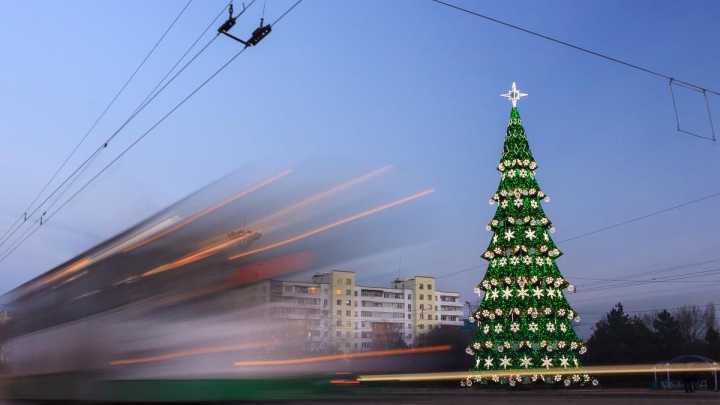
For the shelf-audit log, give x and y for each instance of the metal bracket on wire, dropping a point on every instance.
(257, 35)
(677, 119)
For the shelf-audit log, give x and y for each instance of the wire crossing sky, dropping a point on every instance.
(411, 84)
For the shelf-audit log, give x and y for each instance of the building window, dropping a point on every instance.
(347, 345)
(409, 296)
(436, 317)
(429, 327)
(409, 316)
(348, 303)
(339, 312)
(422, 327)
(347, 313)
(421, 286)
(348, 281)
(325, 303)
(356, 304)
(347, 334)
(429, 286)
(422, 316)
(422, 297)
(409, 326)
(339, 281)
(409, 307)
(347, 324)
(347, 292)
(356, 336)
(436, 307)
(356, 345)
(288, 288)
(338, 291)
(339, 302)
(338, 334)
(422, 307)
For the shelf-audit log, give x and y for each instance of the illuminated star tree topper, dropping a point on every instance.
(513, 95)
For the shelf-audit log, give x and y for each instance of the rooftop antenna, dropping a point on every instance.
(399, 267)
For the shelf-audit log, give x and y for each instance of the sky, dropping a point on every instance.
(367, 84)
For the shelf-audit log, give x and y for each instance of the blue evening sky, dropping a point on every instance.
(409, 83)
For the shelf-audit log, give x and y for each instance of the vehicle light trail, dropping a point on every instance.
(547, 372)
(209, 210)
(376, 353)
(261, 223)
(186, 353)
(332, 225)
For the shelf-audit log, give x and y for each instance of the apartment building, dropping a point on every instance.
(333, 310)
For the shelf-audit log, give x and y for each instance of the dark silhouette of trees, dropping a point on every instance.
(621, 339)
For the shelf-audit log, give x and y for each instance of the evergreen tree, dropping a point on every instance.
(619, 339)
(667, 333)
(524, 320)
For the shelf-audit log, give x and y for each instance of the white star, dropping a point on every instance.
(546, 362)
(533, 327)
(513, 95)
(509, 234)
(514, 327)
(514, 261)
(551, 292)
(537, 292)
(488, 362)
(539, 261)
(507, 293)
(526, 361)
(550, 327)
(564, 361)
(498, 328)
(522, 292)
(504, 204)
(495, 239)
(563, 327)
(494, 294)
(518, 202)
(505, 362)
(486, 329)
(530, 234)
(477, 362)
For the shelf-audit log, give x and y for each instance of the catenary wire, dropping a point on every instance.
(105, 144)
(146, 133)
(122, 89)
(572, 46)
(106, 109)
(604, 229)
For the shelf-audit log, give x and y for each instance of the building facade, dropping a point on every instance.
(332, 310)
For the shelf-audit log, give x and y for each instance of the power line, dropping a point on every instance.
(149, 130)
(84, 165)
(573, 46)
(102, 114)
(645, 310)
(603, 229)
(642, 217)
(597, 281)
(24, 216)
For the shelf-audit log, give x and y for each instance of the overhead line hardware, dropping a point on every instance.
(707, 104)
(261, 32)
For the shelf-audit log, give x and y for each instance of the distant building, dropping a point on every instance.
(334, 310)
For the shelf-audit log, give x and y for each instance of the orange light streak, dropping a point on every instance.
(317, 197)
(186, 353)
(68, 270)
(193, 257)
(376, 353)
(332, 225)
(209, 210)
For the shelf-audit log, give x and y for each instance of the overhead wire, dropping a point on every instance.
(604, 229)
(105, 144)
(579, 48)
(122, 89)
(151, 128)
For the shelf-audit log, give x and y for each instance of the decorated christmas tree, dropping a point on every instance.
(524, 321)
